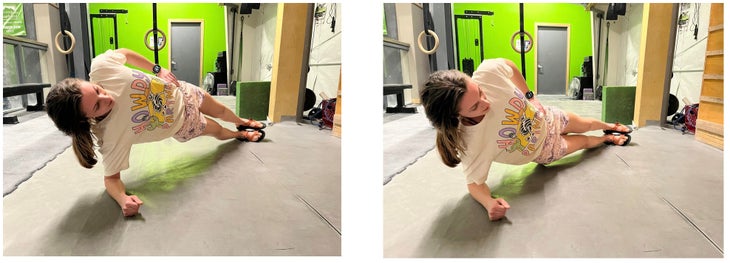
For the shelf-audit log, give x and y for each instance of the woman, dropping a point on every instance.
(121, 106)
(494, 117)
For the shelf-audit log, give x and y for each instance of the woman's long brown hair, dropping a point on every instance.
(440, 98)
(63, 106)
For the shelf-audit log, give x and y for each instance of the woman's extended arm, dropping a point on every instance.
(115, 188)
(517, 78)
(521, 84)
(137, 60)
(496, 208)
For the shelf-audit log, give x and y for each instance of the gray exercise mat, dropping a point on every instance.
(643, 200)
(205, 197)
(27, 147)
(405, 141)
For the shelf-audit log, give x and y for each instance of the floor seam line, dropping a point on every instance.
(257, 157)
(319, 214)
(622, 159)
(686, 218)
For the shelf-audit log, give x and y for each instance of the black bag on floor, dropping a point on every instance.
(324, 114)
(687, 118)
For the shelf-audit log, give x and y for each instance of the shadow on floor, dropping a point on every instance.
(531, 178)
(462, 229)
(169, 172)
(96, 218)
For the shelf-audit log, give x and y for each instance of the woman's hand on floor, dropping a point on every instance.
(498, 209)
(131, 205)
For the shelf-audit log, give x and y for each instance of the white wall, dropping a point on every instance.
(624, 56)
(325, 53)
(624, 37)
(259, 29)
(624, 44)
(689, 55)
(259, 32)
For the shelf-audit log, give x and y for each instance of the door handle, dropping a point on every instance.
(539, 68)
(476, 42)
(173, 65)
(111, 40)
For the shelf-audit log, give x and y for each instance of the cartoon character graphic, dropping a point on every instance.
(522, 128)
(157, 103)
(152, 104)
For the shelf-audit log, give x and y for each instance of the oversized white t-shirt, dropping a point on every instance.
(146, 109)
(512, 131)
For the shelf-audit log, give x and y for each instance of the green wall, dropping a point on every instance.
(131, 27)
(498, 29)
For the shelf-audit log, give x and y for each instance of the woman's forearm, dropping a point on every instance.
(130, 204)
(517, 78)
(481, 193)
(521, 84)
(496, 208)
(137, 60)
(115, 187)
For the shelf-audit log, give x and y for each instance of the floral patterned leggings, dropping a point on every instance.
(554, 146)
(194, 120)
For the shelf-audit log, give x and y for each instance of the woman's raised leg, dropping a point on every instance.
(578, 124)
(212, 128)
(578, 142)
(213, 108)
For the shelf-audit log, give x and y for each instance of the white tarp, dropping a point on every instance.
(259, 32)
(325, 53)
(689, 54)
(624, 44)
(689, 58)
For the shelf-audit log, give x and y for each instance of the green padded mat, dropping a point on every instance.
(252, 99)
(618, 104)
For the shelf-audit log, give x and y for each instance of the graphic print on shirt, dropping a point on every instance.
(152, 103)
(521, 129)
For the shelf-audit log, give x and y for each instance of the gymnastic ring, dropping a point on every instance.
(147, 43)
(512, 42)
(73, 42)
(435, 45)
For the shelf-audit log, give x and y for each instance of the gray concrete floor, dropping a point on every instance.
(204, 197)
(661, 196)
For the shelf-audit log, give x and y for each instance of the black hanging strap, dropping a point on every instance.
(66, 26)
(154, 31)
(234, 11)
(428, 25)
(522, 39)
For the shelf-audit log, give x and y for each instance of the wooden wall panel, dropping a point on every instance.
(710, 124)
(337, 121)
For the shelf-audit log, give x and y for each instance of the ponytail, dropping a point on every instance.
(448, 149)
(83, 144)
(63, 106)
(440, 98)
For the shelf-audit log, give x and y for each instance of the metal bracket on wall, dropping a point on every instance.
(479, 12)
(113, 11)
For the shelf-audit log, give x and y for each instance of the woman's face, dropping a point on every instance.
(95, 101)
(473, 102)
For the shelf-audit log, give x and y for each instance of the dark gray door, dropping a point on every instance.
(552, 51)
(185, 51)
